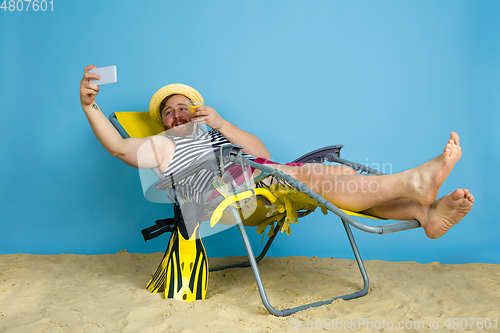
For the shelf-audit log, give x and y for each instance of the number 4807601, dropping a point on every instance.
(26, 5)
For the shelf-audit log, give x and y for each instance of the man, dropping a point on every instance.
(407, 195)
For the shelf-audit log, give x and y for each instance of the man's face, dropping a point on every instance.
(176, 116)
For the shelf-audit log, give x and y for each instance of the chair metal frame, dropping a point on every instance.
(347, 220)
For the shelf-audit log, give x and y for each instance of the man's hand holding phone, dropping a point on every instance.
(93, 77)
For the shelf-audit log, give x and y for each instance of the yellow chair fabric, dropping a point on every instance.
(138, 124)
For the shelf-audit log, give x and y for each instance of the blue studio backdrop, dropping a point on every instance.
(388, 79)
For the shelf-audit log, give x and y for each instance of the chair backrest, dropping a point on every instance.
(135, 124)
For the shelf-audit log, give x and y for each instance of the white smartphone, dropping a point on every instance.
(107, 74)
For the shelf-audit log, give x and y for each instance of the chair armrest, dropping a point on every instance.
(118, 126)
(319, 155)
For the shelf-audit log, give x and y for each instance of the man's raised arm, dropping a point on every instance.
(137, 152)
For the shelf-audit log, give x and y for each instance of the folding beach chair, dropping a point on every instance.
(279, 200)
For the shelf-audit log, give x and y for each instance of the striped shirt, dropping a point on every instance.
(189, 152)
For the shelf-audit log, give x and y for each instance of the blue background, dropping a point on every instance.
(388, 79)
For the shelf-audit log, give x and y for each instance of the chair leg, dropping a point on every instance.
(255, 269)
(287, 312)
(258, 258)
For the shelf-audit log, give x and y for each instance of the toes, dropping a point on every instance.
(448, 149)
(452, 148)
(462, 193)
(454, 136)
(458, 194)
(468, 195)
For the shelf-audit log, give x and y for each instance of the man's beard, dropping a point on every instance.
(181, 128)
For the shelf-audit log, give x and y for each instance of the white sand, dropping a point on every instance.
(105, 293)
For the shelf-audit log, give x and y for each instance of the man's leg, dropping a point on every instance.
(436, 219)
(358, 193)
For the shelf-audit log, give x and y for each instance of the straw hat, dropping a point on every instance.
(169, 90)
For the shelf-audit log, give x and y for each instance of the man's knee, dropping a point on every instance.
(315, 176)
(318, 176)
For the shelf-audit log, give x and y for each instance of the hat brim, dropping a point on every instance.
(169, 90)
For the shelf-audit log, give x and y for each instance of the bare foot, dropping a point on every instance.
(428, 178)
(446, 212)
